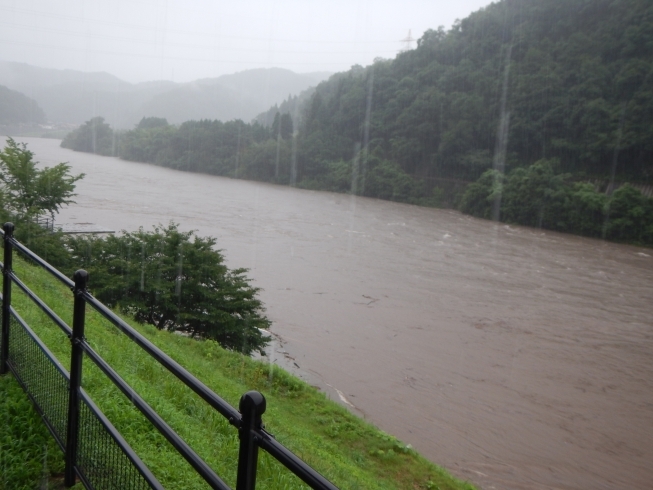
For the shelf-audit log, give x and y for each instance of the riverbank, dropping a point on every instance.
(347, 450)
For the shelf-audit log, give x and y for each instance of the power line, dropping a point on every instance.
(408, 42)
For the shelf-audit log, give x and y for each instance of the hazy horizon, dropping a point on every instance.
(185, 41)
(312, 73)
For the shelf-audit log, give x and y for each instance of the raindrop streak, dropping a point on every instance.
(255, 226)
(614, 166)
(293, 166)
(499, 162)
(366, 132)
(142, 266)
(276, 167)
(180, 264)
(352, 199)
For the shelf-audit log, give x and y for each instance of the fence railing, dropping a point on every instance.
(94, 451)
(45, 221)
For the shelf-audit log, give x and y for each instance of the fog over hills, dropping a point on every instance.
(69, 96)
(242, 95)
(16, 108)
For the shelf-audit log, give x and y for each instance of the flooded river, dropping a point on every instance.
(516, 358)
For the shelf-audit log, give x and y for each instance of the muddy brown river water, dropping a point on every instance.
(516, 358)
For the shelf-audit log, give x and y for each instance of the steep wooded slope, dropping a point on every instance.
(572, 80)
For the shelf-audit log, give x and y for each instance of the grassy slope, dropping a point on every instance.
(29, 457)
(346, 449)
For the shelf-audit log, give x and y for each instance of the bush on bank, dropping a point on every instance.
(537, 196)
(170, 279)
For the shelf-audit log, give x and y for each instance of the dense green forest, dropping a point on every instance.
(566, 86)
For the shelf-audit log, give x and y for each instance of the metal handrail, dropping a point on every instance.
(227, 411)
(31, 255)
(168, 432)
(247, 419)
(41, 304)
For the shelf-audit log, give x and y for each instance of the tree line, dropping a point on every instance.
(540, 197)
(174, 280)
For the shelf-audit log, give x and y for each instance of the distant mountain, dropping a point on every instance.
(30, 77)
(17, 108)
(268, 85)
(242, 95)
(70, 96)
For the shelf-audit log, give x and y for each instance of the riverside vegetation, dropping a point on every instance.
(548, 97)
(170, 279)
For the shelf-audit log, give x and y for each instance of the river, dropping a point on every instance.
(514, 357)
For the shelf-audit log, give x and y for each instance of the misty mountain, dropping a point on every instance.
(242, 95)
(270, 83)
(30, 77)
(293, 105)
(16, 108)
(70, 96)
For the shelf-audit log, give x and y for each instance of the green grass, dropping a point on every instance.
(346, 449)
(29, 457)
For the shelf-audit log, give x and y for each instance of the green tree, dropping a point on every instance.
(94, 136)
(175, 281)
(629, 216)
(282, 126)
(27, 191)
(387, 180)
(585, 213)
(536, 196)
(479, 197)
(152, 122)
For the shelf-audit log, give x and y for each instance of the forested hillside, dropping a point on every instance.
(572, 80)
(16, 108)
(564, 85)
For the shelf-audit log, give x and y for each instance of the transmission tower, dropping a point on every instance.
(408, 42)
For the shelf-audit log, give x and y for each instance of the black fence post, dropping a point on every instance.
(252, 407)
(79, 314)
(6, 297)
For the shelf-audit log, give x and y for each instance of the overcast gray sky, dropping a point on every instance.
(184, 40)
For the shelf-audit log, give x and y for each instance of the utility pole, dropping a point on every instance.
(408, 42)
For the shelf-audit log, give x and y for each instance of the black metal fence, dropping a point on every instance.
(95, 452)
